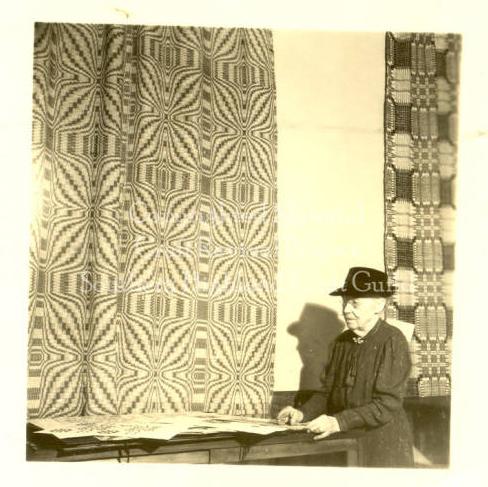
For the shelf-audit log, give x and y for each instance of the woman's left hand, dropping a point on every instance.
(324, 425)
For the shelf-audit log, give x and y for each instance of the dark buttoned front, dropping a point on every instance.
(363, 388)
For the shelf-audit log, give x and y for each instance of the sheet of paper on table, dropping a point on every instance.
(155, 426)
(128, 426)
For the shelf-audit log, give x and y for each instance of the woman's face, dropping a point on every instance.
(361, 313)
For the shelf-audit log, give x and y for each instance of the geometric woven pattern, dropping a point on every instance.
(153, 251)
(420, 171)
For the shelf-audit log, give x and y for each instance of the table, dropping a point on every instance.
(218, 448)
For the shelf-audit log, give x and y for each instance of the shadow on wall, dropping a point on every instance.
(316, 330)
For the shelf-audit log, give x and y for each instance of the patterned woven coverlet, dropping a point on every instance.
(153, 249)
(420, 172)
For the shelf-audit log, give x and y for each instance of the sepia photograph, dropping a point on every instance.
(242, 245)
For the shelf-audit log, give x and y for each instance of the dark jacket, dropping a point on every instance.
(364, 386)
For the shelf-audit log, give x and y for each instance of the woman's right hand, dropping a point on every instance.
(290, 415)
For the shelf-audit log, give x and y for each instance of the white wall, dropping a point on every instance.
(330, 89)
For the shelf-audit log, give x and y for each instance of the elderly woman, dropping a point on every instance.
(365, 378)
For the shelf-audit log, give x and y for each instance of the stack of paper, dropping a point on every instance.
(155, 425)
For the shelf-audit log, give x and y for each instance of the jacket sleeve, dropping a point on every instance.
(317, 403)
(389, 388)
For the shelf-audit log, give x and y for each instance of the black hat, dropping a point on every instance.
(365, 282)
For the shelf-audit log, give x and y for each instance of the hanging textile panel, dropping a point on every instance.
(153, 255)
(420, 174)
